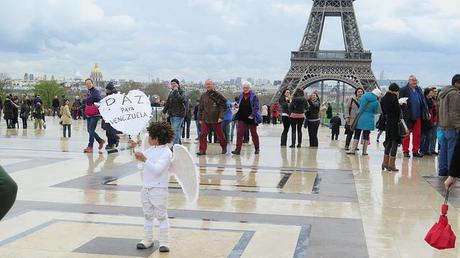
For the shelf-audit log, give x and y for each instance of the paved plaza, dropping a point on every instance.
(282, 203)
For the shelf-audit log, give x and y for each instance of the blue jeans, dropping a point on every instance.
(91, 124)
(226, 128)
(448, 141)
(176, 123)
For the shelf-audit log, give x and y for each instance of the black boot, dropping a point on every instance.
(283, 140)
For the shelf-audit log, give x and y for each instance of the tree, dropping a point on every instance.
(2, 87)
(47, 90)
(194, 95)
(159, 89)
(126, 87)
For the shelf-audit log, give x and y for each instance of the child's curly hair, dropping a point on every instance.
(161, 131)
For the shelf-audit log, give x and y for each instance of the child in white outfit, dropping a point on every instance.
(154, 195)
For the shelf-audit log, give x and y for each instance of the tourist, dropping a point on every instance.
(392, 112)
(275, 113)
(449, 121)
(329, 112)
(285, 100)
(413, 112)
(110, 132)
(265, 117)
(335, 124)
(15, 112)
(92, 116)
(187, 120)
(77, 104)
(428, 125)
(24, 114)
(154, 193)
(297, 109)
(248, 117)
(211, 114)
(369, 106)
(197, 120)
(39, 116)
(175, 108)
(351, 110)
(7, 111)
(228, 118)
(435, 122)
(66, 119)
(8, 190)
(55, 105)
(312, 119)
(235, 107)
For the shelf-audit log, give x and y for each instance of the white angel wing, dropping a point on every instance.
(186, 172)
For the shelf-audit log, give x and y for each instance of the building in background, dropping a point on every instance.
(96, 76)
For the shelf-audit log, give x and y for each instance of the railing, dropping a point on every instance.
(302, 55)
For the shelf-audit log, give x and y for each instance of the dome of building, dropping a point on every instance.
(96, 75)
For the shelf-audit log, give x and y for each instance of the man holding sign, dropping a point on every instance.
(211, 114)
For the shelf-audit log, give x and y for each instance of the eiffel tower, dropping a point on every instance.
(310, 65)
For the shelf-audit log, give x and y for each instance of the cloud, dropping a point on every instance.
(291, 9)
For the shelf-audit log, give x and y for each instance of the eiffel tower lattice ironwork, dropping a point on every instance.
(310, 65)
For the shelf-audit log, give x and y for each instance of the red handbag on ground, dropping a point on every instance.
(91, 110)
(441, 235)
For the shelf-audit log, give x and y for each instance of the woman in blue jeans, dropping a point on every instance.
(92, 116)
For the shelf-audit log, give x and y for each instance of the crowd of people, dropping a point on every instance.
(429, 115)
(24, 109)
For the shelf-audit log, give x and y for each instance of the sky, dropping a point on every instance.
(219, 39)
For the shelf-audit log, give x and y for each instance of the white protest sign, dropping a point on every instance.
(128, 113)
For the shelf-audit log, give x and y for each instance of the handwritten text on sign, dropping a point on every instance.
(128, 113)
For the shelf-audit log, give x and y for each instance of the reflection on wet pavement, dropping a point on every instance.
(308, 202)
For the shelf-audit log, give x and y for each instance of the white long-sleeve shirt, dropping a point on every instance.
(156, 167)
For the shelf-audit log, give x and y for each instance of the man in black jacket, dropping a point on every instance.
(413, 112)
(55, 106)
(175, 108)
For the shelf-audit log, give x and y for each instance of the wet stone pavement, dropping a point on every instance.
(284, 202)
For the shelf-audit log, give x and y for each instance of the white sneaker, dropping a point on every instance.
(144, 244)
(164, 249)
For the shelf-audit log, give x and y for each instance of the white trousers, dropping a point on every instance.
(155, 205)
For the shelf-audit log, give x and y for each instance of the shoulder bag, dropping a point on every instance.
(403, 130)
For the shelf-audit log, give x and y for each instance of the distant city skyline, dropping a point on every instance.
(199, 39)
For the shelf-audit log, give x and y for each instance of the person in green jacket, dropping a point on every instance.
(8, 190)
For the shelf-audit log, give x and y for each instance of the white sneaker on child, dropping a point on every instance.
(144, 244)
(164, 249)
(147, 242)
